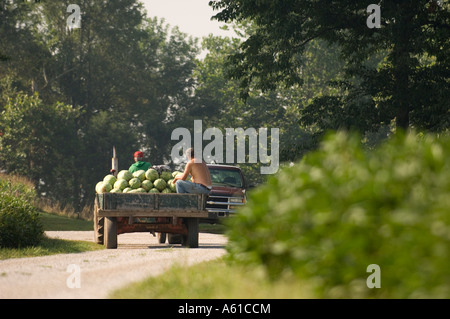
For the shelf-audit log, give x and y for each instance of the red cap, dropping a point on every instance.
(138, 154)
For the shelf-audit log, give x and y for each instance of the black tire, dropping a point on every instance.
(162, 238)
(174, 239)
(110, 232)
(191, 239)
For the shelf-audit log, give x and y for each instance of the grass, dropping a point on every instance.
(57, 222)
(49, 246)
(215, 279)
(52, 246)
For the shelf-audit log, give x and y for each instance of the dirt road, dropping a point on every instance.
(95, 274)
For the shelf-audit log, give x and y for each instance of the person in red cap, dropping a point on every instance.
(139, 163)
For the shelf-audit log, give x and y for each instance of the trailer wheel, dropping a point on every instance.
(111, 232)
(99, 223)
(191, 239)
(162, 238)
(174, 239)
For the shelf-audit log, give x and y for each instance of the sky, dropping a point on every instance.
(191, 16)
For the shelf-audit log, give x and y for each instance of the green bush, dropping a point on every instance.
(342, 208)
(20, 223)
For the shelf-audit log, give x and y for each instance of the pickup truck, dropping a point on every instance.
(227, 194)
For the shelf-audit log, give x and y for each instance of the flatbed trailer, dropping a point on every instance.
(171, 213)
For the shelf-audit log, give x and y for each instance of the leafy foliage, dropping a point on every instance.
(410, 82)
(343, 208)
(125, 79)
(69, 96)
(219, 104)
(38, 141)
(20, 223)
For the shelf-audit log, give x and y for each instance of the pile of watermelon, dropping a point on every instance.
(149, 181)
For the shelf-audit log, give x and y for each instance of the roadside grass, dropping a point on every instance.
(64, 223)
(215, 279)
(49, 246)
(52, 246)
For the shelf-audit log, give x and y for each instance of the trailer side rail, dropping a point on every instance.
(152, 213)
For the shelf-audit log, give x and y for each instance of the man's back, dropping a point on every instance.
(201, 179)
(200, 173)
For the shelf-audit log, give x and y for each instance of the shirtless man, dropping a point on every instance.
(201, 180)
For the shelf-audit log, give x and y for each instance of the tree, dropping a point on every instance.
(121, 62)
(94, 66)
(126, 75)
(217, 100)
(39, 141)
(20, 55)
(165, 86)
(411, 85)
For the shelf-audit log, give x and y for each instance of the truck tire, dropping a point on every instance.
(111, 232)
(174, 239)
(191, 239)
(162, 238)
(98, 226)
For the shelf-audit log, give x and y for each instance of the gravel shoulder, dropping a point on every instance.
(139, 255)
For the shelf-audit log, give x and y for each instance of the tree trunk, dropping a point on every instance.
(402, 61)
